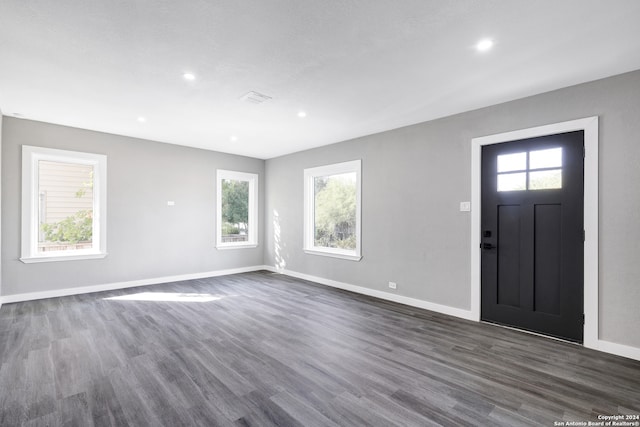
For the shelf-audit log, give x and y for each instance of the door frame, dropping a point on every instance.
(590, 127)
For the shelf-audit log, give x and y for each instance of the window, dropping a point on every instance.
(237, 202)
(332, 210)
(64, 205)
(544, 171)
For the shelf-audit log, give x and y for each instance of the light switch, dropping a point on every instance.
(465, 206)
(171, 203)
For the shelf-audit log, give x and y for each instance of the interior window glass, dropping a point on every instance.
(65, 206)
(512, 162)
(335, 211)
(551, 158)
(512, 181)
(545, 180)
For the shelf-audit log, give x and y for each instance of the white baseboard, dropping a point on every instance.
(414, 302)
(122, 285)
(618, 349)
(600, 345)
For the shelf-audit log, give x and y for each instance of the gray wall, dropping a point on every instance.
(146, 239)
(415, 177)
(1, 121)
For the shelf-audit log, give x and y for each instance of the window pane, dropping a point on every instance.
(65, 209)
(512, 181)
(551, 158)
(512, 162)
(335, 211)
(235, 211)
(545, 180)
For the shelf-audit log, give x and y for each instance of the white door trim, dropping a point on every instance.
(590, 127)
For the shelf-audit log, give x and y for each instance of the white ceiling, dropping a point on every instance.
(356, 67)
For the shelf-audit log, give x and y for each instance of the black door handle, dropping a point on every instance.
(488, 246)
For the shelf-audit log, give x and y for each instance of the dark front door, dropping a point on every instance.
(532, 234)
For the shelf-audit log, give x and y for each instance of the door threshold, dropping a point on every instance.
(513, 328)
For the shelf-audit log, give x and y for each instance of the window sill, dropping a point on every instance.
(333, 254)
(237, 246)
(55, 258)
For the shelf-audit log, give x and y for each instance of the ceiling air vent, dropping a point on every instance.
(255, 97)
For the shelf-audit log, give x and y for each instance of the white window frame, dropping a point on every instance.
(309, 209)
(30, 203)
(252, 178)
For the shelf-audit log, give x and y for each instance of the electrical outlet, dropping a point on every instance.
(393, 285)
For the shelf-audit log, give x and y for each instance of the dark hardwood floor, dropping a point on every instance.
(261, 349)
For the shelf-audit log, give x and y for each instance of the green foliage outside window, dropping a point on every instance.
(73, 229)
(235, 206)
(335, 211)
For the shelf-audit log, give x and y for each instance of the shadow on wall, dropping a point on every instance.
(277, 244)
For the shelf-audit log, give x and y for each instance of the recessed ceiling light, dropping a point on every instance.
(189, 76)
(302, 114)
(233, 138)
(484, 45)
(142, 119)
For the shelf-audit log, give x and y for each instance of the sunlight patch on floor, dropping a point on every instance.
(167, 297)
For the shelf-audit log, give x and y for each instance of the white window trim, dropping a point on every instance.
(30, 200)
(252, 178)
(309, 206)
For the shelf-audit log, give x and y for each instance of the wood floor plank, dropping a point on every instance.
(266, 412)
(39, 384)
(263, 349)
(104, 405)
(137, 410)
(74, 411)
